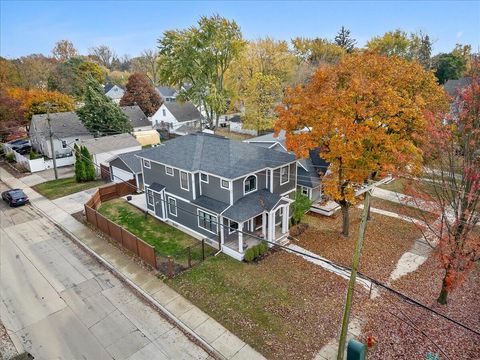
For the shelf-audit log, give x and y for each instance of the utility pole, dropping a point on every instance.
(48, 105)
(353, 277)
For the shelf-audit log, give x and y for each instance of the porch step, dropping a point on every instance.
(284, 241)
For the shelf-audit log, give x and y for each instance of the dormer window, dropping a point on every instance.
(250, 184)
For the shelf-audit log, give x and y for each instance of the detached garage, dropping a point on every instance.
(127, 167)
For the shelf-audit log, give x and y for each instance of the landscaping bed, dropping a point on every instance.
(283, 306)
(167, 240)
(55, 189)
(386, 239)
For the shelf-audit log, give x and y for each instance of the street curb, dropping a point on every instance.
(184, 328)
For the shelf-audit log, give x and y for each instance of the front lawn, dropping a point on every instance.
(55, 189)
(167, 240)
(283, 306)
(386, 239)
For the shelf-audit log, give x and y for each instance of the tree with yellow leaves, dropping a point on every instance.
(367, 114)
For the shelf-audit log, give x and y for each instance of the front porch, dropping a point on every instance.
(272, 226)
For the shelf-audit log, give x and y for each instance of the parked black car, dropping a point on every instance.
(20, 144)
(15, 197)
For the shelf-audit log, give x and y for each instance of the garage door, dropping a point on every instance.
(120, 175)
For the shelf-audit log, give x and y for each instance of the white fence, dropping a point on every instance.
(39, 164)
(238, 128)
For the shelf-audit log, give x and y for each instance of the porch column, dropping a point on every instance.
(222, 231)
(285, 219)
(240, 237)
(264, 225)
(271, 225)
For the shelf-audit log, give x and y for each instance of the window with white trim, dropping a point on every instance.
(284, 174)
(172, 206)
(164, 112)
(207, 221)
(225, 184)
(150, 197)
(169, 170)
(204, 177)
(184, 180)
(305, 191)
(146, 163)
(250, 184)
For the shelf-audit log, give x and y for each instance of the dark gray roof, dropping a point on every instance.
(270, 138)
(452, 87)
(136, 116)
(307, 177)
(114, 91)
(187, 129)
(216, 155)
(156, 187)
(166, 91)
(183, 111)
(64, 124)
(234, 118)
(210, 204)
(132, 162)
(252, 205)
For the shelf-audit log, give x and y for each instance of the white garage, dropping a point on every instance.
(126, 167)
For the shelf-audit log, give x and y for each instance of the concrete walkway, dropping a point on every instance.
(187, 316)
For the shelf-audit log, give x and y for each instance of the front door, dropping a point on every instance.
(258, 222)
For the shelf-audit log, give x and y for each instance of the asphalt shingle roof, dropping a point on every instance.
(452, 87)
(252, 205)
(109, 143)
(136, 116)
(156, 187)
(183, 111)
(210, 204)
(216, 155)
(166, 91)
(114, 91)
(64, 124)
(132, 161)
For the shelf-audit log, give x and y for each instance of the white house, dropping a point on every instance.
(172, 115)
(114, 92)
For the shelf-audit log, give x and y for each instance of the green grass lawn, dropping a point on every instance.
(55, 189)
(167, 240)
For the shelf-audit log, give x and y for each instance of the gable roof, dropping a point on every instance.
(252, 204)
(114, 92)
(183, 111)
(454, 86)
(216, 155)
(136, 116)
(109, 143)
(270, 139)
(166, 91)
(131, 161)
(64, 124)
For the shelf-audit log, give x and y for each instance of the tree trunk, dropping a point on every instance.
(442, 298)
(345, 218)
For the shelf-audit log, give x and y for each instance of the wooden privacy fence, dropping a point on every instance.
(129, 241)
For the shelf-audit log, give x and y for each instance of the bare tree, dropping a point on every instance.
(103, 54)
(64, 50)
(147, 63)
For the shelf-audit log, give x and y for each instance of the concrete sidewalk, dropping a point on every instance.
(187, 316)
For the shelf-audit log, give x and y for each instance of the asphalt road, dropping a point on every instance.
(57, 302)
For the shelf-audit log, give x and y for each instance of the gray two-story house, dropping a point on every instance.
(228, 192)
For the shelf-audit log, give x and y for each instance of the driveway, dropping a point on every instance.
(58, 302)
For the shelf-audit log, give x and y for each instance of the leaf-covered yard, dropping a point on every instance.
(386, 239)
(283, 306)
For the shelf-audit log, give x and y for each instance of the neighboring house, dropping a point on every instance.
(167, 94)
(137, 118)
(114, 92)
(309, 172)
(104, 148)
(221, 190)
(172, 115)
(126, 167)
(236, 125)
(66, 129)
(453, 87)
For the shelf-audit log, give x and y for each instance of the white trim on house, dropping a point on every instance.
(178, 197)
(208, 177)
(256, 184)
(288, 174)
(169, 204)
(188, 182)
(167, 168)
(215, 221)
(308, 194)
(194, 191)
(145, 162)
(223, 187)
(150, 193)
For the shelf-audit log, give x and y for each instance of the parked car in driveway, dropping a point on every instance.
(20, 144)
(15, 197)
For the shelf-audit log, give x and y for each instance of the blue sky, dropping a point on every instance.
(130, 26)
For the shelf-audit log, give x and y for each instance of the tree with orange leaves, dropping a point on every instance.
(367, 116)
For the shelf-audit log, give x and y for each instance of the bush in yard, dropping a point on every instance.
(34, 155)
(79, 165)
(89, 165)
(263, 247)
(299, 207)
(256, 251)
(249, 255)
(10, 157)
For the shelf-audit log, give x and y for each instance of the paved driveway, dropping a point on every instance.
(58, 302)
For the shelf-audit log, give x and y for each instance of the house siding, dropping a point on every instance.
(172, 183)
(214, 190)
(281, 189)
(238, 185)
(149, 207)
(118, 163)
